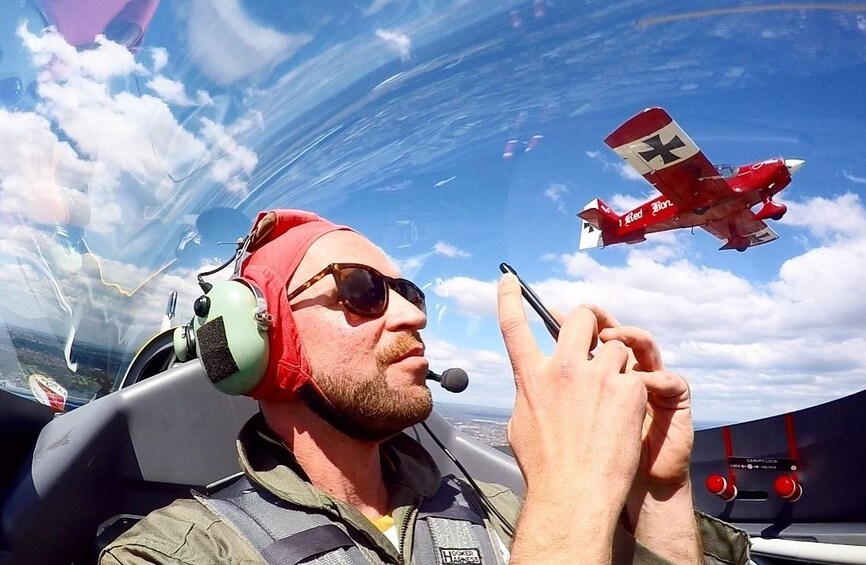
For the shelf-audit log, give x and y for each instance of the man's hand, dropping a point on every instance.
(660, 507)
(575, 431)
(668, 434)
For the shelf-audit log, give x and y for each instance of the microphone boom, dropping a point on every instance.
(452, 380)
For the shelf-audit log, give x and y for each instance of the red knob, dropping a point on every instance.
(788, 488)
(719, 486)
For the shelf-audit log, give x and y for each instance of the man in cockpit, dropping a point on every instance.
(601, 431)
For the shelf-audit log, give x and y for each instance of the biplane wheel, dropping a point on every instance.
(700, 211)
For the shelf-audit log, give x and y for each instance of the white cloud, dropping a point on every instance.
(171, 91)
(38, 173)
(410, 266)
(749, 349)
(628, 173)
(852, 178)
(159, 56)
(555, 192)
(450, 251)
(62, 61)
(58, 284)
(469, 297)
(397, 42)
(443, 182)
(88, 147)
(490, 379)
(174, 92)
(94, 161)
(829, 219)
(622, 168)
(232, 162)
(229, 45)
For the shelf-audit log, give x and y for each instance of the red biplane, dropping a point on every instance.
(694, 192)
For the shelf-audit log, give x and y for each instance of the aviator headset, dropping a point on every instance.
(230, 330)
(229, 335)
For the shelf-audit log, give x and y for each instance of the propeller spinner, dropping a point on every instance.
(794, 165)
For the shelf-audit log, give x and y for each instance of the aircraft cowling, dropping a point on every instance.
(771, 210)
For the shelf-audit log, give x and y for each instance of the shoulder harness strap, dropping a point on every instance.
(281, 533)
(450, 528)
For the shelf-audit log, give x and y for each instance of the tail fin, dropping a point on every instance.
(596, 219)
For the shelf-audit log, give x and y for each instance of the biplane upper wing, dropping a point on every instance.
(741, 225)
(654, 145)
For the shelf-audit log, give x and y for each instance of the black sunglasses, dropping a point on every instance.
(363, 290)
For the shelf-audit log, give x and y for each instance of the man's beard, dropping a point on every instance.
(370, 409)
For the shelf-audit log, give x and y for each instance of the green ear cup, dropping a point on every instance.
(231, 338)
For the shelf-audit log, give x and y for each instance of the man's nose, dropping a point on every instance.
(402, 314)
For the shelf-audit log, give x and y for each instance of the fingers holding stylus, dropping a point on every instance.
(647, 356)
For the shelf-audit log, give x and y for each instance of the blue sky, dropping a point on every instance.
(392, 116)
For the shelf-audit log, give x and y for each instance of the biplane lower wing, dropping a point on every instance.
(654, 145)
(741, 231)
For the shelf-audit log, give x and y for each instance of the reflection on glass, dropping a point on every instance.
(139, 139)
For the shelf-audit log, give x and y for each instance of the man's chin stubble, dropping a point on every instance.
(370, 412)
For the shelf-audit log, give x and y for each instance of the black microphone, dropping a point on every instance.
(452, 380)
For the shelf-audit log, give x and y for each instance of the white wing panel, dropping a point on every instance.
(664, 148)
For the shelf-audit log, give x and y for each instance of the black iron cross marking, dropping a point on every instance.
(663, 150)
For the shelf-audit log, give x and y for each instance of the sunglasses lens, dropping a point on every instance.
(362, 290)
(411, 293)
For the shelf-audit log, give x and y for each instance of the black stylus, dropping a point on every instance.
(534, 301)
